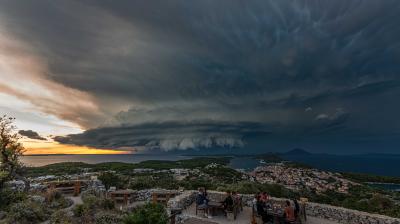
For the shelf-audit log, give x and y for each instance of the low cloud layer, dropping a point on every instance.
(168, 135)
(31, 134)
(186, 74)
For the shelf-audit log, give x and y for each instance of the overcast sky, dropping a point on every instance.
(256, 76)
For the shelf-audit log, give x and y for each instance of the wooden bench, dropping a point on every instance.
(201, 209)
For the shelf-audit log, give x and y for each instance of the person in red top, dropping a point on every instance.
(264, 197)
(289, 213)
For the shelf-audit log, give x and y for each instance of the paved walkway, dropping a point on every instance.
(242, 218)
(197, 221)
(75, 201)
(313, 220)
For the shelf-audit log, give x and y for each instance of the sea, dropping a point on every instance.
(42, 160)
(386, 165)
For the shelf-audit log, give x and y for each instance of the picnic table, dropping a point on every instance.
(214, 206)
(278, 214)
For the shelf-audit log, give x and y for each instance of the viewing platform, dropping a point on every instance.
(244, 217)
(185, 208)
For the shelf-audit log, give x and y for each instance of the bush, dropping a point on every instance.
(8, 197)
(52, 194)
(60, 203)
(107, 204)
(149, 213)
(27, 212)
(79, 210)
(91, 201)
(60, 217)
(107, 218)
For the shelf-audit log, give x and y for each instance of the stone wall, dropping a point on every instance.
(343, 215)
(146, 194)
(346, 216)
(182, 201)
(327, 212)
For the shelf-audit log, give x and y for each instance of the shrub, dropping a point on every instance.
(79, 210)
(107, 218)
(52, 194)
(149, 213)
(60, 217)
(91, 201)
(107, 204)
(8, 197)
(27, 212)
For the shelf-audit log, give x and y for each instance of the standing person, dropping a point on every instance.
(296, 208)
(264, 197)
(256, 198)
(289, 213)
(238, 200)
(228, 202)
(202, 202)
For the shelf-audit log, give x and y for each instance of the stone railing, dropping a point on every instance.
(327, 212)
(342, 215)
(182, 201)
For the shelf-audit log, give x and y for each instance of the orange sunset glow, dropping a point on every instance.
(37, 147)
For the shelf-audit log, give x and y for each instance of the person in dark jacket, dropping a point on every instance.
(202, 202)
(228, 202)
(296, 208)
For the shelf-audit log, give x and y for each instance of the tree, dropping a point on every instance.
(10, 151)
(110, 180)
(149, 213)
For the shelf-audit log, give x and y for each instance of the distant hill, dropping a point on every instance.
(270, 158)
(297, 152)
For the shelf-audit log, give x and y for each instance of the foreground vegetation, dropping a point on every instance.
(55, 209)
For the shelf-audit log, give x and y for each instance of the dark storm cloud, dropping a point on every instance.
(168, 135)
(31, 134)
(264, 62)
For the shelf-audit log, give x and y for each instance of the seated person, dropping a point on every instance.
(202, 202)
(289, 213)
(261, 210)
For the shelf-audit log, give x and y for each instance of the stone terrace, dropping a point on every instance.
(316, 213)
(243, 218)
